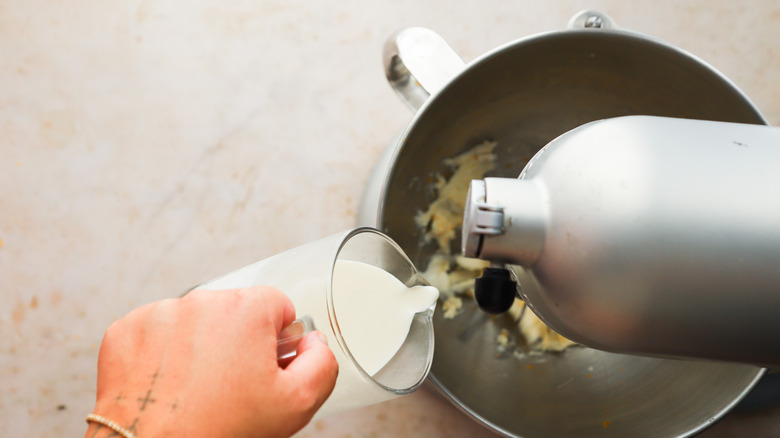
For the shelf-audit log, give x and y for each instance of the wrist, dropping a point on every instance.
(100, 426)
(121, 416)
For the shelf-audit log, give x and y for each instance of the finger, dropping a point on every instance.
(288, 311)
(282, 309)
(314, 370)
(269, 309)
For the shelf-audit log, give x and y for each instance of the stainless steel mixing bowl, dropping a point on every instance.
(523, 95)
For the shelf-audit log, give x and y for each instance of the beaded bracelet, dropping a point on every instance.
(110, 424)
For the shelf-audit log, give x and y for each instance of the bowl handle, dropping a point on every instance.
(419, 63)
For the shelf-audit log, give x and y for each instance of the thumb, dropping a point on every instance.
(314, 368)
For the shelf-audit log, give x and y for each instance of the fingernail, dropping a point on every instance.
(323, 338)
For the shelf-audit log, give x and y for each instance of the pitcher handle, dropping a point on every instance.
(291, 336)
(418, 64)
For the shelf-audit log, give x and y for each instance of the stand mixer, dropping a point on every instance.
(643, 235)
(522, 95)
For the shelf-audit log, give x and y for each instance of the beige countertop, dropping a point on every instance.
(147, 146)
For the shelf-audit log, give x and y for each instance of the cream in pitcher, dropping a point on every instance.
(375, 310)
(361, 290)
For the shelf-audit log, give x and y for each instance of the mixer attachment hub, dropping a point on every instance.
(495, 290)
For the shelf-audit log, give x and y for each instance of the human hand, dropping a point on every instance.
(205, 365)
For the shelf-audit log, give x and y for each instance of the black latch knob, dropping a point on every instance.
(495, 290)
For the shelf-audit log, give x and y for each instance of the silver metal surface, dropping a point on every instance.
(523, 95)
(480, 219)
(418, 63)
(659, 236)
(526, 220)
(590, 19)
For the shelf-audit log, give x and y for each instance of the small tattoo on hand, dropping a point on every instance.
(146, 400)
(132, 427)
(155, 376)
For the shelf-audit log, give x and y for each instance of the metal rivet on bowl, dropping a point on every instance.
(594, 22)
